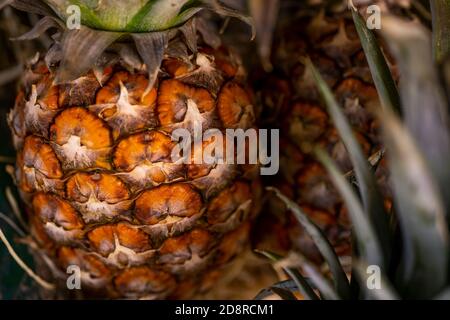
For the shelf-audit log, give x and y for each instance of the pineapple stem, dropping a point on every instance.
(12, 224)
(15, 207)
(46, 285)
(440, 10)
(5, 159)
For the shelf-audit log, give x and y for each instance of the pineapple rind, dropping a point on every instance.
(95, 173)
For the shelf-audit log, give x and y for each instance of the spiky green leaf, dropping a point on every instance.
(367, 241)
(326, 249)
(322, 284)
(421, 213)
(283, 293)
(302, 285)
(440, 10)
(425, 106)
(137, 16)
(379, 68)
(444, 295)
(265, 15)
(286, 285)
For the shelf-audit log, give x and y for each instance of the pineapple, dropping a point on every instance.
(92, 126)
(408, 258)
(292, 103)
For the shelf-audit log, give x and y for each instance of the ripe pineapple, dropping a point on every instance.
(411, 252)
(92, 127)
(292, 103)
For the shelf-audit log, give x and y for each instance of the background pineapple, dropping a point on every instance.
(325, 33)
(92, 125)
(412, 250)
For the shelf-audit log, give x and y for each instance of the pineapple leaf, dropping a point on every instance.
(159, 15)
(446, 76)
(81, 49)
(138, 16)
(326, 249)
(4, 3)
(40, 28)
(371, 196)
(265, 14)
(326, 290)
(444, 295)
(379, 68)
(33, 6)
(440, 10)
(223, 10)
(209, 33)
(421, 213)
(283, 293)
(384, 292)
(425, 105)
(301, 283)
(189, 31)
(151, 47)
(289, 285)
(367, 241)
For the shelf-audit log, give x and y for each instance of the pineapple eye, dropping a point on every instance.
(172, 106)
(235, 107)
(178, 200)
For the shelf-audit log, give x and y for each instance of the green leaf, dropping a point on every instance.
(138, 16)
(265, 14)
(372, 199)
(322, 284)
(379, 68)
(326, 249)
(425, 105)
(446, 76)
(444, 295)
(160, 15)
(302, 285)
(223, 10)
(421, 213)
(366, 239)
(440, 10)
(284, 294)
(289, 285)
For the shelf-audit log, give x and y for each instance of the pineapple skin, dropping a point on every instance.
(292, 104)
(101, 192)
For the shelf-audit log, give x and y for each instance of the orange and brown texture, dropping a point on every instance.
(95, 171)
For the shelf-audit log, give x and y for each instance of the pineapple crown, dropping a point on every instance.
(151, 25)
